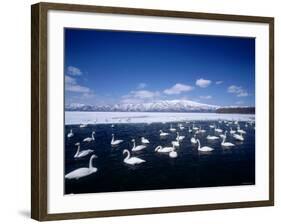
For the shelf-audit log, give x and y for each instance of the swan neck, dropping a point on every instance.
(78, 150)
(93, 135)
(199, 145)
(112, 140)
(128, 154)
(157, 148)
(90, 162)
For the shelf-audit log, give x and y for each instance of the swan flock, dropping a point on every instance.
(179, 132)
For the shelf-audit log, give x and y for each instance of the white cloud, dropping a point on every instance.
(234, 89)
(219, 82)
(243, 94)
(206, 97)
(203, 83)
(238, 90)
(140, 96)
(142, 85)
(239, 102)
(72, 86)
(88, 95)
(69, 80)
(144, 94)
(74, 71)
(131, 100)
(178, 89)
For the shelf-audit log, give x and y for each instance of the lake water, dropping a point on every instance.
(221, 167)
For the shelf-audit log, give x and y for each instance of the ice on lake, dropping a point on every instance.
(78, 117)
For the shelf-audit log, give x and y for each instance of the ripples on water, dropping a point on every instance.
(221, 167)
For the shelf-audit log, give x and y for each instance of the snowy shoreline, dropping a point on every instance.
(75, 117)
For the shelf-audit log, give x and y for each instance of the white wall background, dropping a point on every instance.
(15, 111)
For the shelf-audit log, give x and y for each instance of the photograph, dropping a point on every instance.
(157, 111)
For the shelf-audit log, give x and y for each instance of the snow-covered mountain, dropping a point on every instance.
(157, 106)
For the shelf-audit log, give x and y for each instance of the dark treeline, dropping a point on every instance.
(236, 110)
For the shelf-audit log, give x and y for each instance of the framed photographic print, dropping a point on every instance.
(139, 111)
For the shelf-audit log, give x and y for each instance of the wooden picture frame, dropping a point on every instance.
(39, 108)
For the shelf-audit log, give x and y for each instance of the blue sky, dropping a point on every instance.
(107, 67)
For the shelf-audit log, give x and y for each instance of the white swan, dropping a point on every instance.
(131, 160)
(212, 126)
(218, 130)
(189, 130)
(226, 144)
(172, 129)
(181, 127)
(223, 135)
(144, 140)
(163, 134)
(176, 143)
(201, 130)
(232, 131)
(212, 137)
(180, 137)
(204, 148)
(138, 147)
(82, 153)
(193, 140)
(83, 125)
(83, 171)
(238, 137)
(161, 149)
(195, 128)
(89, 139)
(115, 142)
(240, 130)
(173, 154)
(70, 134)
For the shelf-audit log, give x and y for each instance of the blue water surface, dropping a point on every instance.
(221, 167)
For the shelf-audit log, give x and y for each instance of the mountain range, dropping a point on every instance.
(157, 106)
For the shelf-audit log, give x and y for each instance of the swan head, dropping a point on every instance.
(78, 143)
(133, 140)
(125, 151)
(94, 156)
